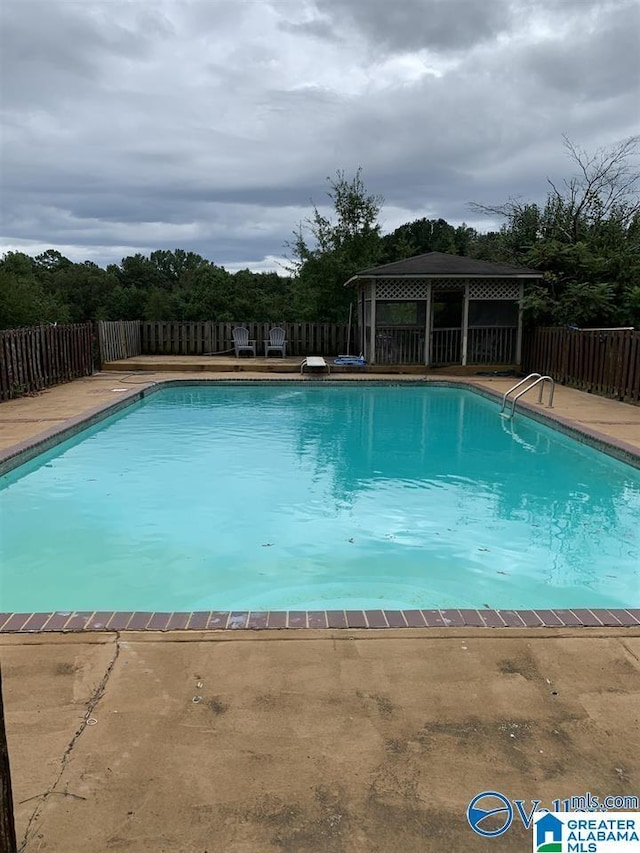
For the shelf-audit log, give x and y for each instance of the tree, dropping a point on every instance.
(339, 248)
(604, 189)
(167, 285)
(586, 238)
(209, 296)
(23, 299)
(86, 288)
(426, 235)
(51, 261)
(176, 267)
(138, 271)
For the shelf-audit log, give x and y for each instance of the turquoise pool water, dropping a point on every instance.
(269, 497)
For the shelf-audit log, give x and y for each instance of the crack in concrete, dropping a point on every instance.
(629, 651)
(90, 705)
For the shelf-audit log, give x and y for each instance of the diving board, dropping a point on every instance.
(314, 362)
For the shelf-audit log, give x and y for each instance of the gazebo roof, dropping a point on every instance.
(440, 264)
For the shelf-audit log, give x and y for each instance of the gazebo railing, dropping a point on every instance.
(491, 345)
(485, 345)
(446, 346)
(400, 344)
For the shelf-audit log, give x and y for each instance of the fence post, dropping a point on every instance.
(96, 337)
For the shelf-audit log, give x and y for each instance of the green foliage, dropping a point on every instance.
(575, 303)
(631, 307)
(23, 299)
(416, 238)
(426, 235)
(585, 238)
(165, 285)
(339, 247)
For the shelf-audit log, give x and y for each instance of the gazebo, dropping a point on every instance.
(438, 309)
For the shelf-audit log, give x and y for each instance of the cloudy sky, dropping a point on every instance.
(210, 125)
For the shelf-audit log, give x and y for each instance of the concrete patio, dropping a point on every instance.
(335, 742)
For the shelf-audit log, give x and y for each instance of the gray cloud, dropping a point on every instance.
(48, 47)
(440, 25)
(211, 125)
(601, 61)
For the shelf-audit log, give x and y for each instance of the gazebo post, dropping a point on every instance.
(427, 326)
(372, 339)
(519, 332)
(465, 323)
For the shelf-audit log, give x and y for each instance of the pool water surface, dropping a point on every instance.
(318, 496)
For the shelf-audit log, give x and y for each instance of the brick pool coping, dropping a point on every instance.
(208, 620)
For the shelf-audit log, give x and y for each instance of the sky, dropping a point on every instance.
(213, 125)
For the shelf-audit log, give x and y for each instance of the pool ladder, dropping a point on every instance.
(529, 382)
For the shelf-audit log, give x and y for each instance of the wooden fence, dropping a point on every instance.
(39, 356)
(118, 339)
(208, 338)
(600, 361)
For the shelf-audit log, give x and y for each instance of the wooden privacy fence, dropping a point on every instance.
(39, 356)
(208, 338)
(118, 339)
(598, 360)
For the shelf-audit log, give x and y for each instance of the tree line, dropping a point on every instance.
(585, 238)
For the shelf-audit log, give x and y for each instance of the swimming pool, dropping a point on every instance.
(290, 496)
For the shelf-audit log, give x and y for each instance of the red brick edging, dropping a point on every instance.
(206, 620)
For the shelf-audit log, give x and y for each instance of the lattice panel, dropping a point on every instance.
(491, 288)
(402, 288)
(416, 288)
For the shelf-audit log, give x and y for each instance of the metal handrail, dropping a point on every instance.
(538, 379)
(517, 385)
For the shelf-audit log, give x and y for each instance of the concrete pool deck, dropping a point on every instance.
(312, 741)
(318, 743)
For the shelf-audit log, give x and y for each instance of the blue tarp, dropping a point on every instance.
(354, 360)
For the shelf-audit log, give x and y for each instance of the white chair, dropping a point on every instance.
(241, 341)
(276, 342)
